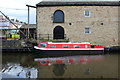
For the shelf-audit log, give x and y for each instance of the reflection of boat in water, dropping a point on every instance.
(69, 60)
(68, 48)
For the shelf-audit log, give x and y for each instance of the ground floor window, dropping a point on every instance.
(87, 31)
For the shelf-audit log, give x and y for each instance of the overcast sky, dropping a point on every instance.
(17, 9)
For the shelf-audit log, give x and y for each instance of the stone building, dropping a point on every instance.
(32, 30)
(94, 22)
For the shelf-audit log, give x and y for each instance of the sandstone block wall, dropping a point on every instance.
(103, 23)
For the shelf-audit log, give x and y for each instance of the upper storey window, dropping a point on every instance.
(58, 16)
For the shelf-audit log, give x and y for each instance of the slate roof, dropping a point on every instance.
(80, 3)
(26, 26)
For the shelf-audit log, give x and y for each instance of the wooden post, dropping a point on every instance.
(29, 16)
(39, 36)
(28, 20)
(48, 36)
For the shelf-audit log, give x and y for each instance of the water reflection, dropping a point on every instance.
(25, 60)
(15, 70)
(83, 59)
(18, 66)
(59, 69)
(80, 66)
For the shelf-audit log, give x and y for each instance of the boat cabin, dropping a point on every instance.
(66, 45)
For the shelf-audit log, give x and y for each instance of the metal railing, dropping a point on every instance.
(52, 37)
(41, 37)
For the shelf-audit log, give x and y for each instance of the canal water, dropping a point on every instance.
(30, 65)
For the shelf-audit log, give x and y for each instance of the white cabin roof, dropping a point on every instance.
(74, 0)
(68, 43)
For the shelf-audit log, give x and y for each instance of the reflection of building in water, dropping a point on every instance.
(15, 70)
(100, 66)
(59, 69)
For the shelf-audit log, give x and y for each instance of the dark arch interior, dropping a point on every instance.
(58, 32)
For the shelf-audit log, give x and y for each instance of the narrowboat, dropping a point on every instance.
(68, 48)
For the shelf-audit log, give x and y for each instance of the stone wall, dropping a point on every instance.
(103, 23)
(11, 44)
(119, 26)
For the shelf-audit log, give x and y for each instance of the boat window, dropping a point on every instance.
(65, 46)
(52, 46)
(43, 62)
(42, 45)
(76, 46)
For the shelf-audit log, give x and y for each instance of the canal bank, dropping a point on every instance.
(17, 46)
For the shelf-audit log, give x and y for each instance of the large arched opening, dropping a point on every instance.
(58, 32)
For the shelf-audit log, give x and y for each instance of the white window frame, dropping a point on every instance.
(88, 13)
(89, 32)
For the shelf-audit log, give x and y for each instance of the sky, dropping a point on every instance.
(17, 9)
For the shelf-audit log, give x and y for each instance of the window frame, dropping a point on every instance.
(89, 13)
(54, 17)
(89, 30)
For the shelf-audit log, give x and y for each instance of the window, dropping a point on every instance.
(65, 46)
(43, 62)
(42, 45)
(76, 46)
(87, 13)
(52, 46)
(87, 31)
(58, 16)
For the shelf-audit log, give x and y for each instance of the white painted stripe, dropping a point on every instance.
(97, 49)
(69, 43)
(35, 47)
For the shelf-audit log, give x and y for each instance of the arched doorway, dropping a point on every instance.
(58, 32)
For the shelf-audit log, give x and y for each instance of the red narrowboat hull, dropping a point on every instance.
(47, 53)
(62, 49)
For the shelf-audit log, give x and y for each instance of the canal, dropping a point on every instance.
(28, 65)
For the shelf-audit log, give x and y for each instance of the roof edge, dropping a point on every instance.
(79, 3)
